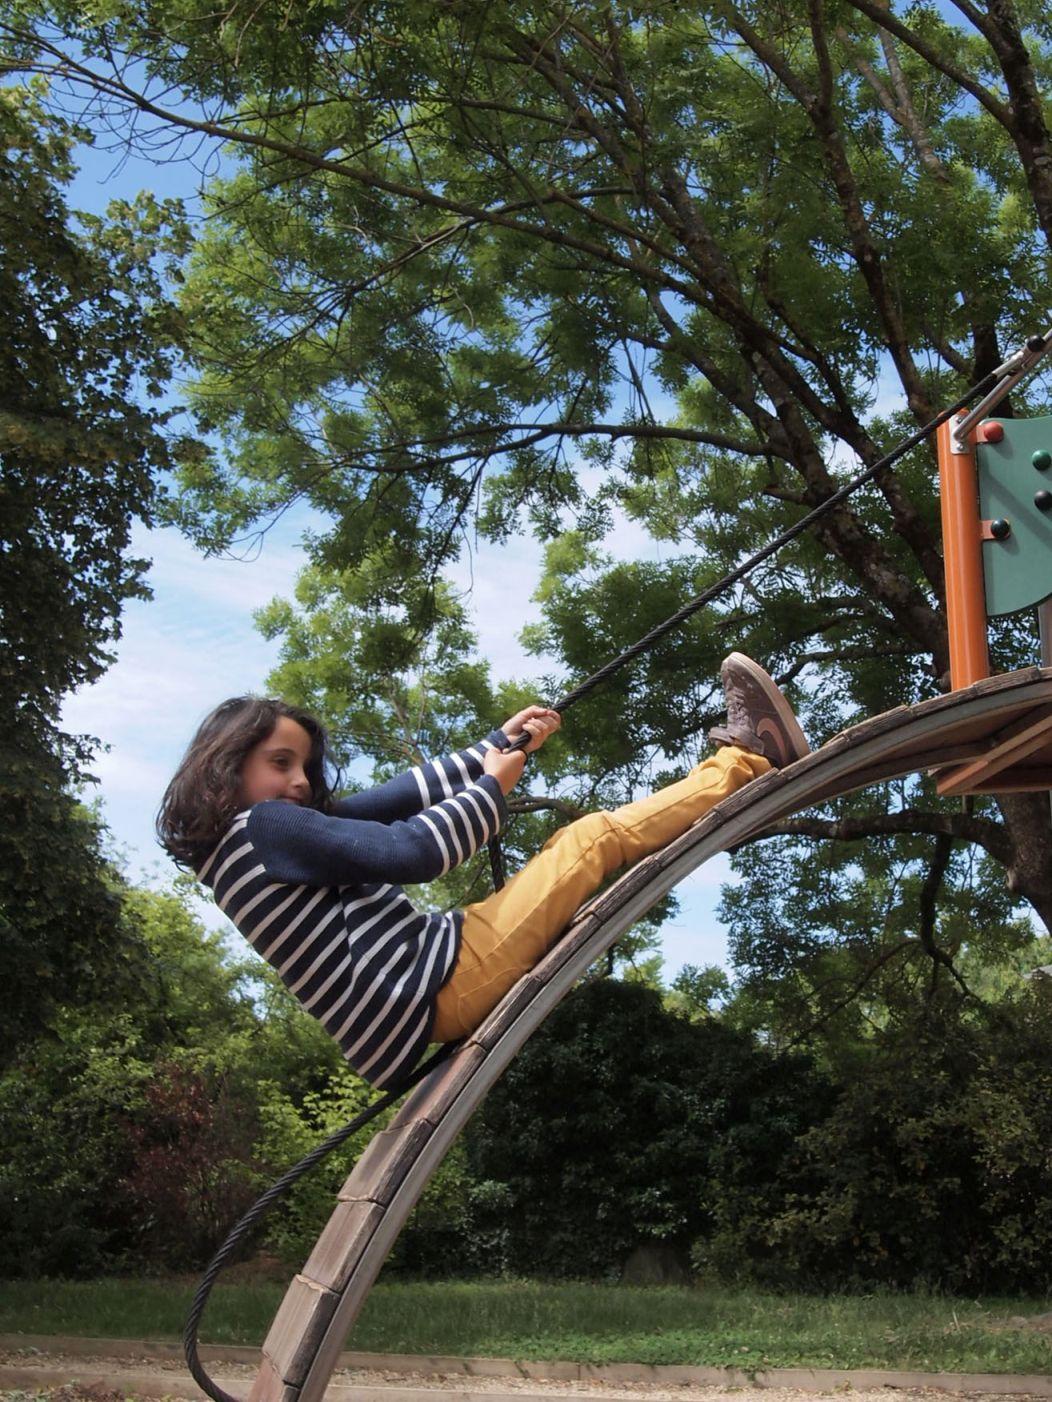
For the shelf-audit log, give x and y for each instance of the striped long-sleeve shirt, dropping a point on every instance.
(317, 895)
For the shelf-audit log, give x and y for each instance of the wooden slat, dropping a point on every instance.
(434, 1095)
(386, 1161)
(610, 898)
(930, 760)
(298, 1328)
(269, 1386)
(1024, 779)
(343, 1239)
(502, 1016)
(935, 747)
(576, 937)
(1009, 745)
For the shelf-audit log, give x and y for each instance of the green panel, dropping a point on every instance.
(1018, 570)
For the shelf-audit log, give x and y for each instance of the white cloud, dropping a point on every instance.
(179, 572)
(180, 654)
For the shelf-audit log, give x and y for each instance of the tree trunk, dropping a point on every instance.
(1027, 818)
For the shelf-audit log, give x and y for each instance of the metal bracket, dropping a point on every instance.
(1014, 369)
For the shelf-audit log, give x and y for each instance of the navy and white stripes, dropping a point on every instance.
(314, 894)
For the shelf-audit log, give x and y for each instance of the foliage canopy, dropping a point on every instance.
(549, 266)
(89, 338)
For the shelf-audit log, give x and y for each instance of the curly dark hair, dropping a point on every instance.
(202, 799)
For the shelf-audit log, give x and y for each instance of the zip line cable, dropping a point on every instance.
(1011, 370)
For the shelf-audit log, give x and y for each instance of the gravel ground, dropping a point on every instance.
(152, 1374)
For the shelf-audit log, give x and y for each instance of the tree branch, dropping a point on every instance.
(927, 909)
(881, 15)
(966, 827)
(578, 430)
(568, 810)
(1023, 116)
(497, 217)
(845, 654)
(855, 990)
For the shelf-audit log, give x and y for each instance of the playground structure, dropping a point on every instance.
(311, 1324)
(988, 734)
(994, 478)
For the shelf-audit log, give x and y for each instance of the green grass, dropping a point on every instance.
(585, 1323)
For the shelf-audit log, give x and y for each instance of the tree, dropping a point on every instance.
(141, 1125)
(77, 1104)
(708, 251)
(90, 340)
(929, 1167)
(85, 326)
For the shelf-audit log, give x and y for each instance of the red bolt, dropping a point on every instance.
(990, 432)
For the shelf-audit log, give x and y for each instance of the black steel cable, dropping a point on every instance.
(267, 1201)
(739, 572)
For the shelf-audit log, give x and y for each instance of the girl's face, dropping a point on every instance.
(277, 766)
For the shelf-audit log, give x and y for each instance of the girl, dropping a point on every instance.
(314, 883)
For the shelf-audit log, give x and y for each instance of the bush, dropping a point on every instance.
(932, 1168)
(127, 1124)
(607, 1132)
(435, 1240)
(191, 1176)
(62, 1106)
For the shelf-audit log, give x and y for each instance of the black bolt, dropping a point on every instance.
(1000, 529)
(1043, 501)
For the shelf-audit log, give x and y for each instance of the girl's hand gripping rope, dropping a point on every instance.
(527, 730)
(536, 723)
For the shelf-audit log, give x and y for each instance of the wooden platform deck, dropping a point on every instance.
(958, 730)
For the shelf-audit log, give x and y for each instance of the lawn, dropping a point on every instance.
(584, 1323)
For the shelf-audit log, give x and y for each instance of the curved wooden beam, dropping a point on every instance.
(323, 1301)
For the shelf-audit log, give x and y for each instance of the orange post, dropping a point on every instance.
(962, 555)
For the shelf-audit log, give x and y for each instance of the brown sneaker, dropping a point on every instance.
(759, 718)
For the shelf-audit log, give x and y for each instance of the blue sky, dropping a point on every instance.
(195, 642)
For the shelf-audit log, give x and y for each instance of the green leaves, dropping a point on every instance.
(507, 270)
(613, 1124)
(86, 327)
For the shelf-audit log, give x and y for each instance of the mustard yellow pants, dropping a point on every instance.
(505, 935)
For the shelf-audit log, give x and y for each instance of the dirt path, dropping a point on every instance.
(35, 1373)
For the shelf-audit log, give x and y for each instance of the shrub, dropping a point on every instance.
(607, 1132)
(932, 1167)
(191, 1177)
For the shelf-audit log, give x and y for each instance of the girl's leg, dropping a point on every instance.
(506, 934)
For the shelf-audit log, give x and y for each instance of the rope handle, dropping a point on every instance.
(497, 870)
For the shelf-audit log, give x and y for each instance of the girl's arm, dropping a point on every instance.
(426, 784)
(304, 847)
(423, 785)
